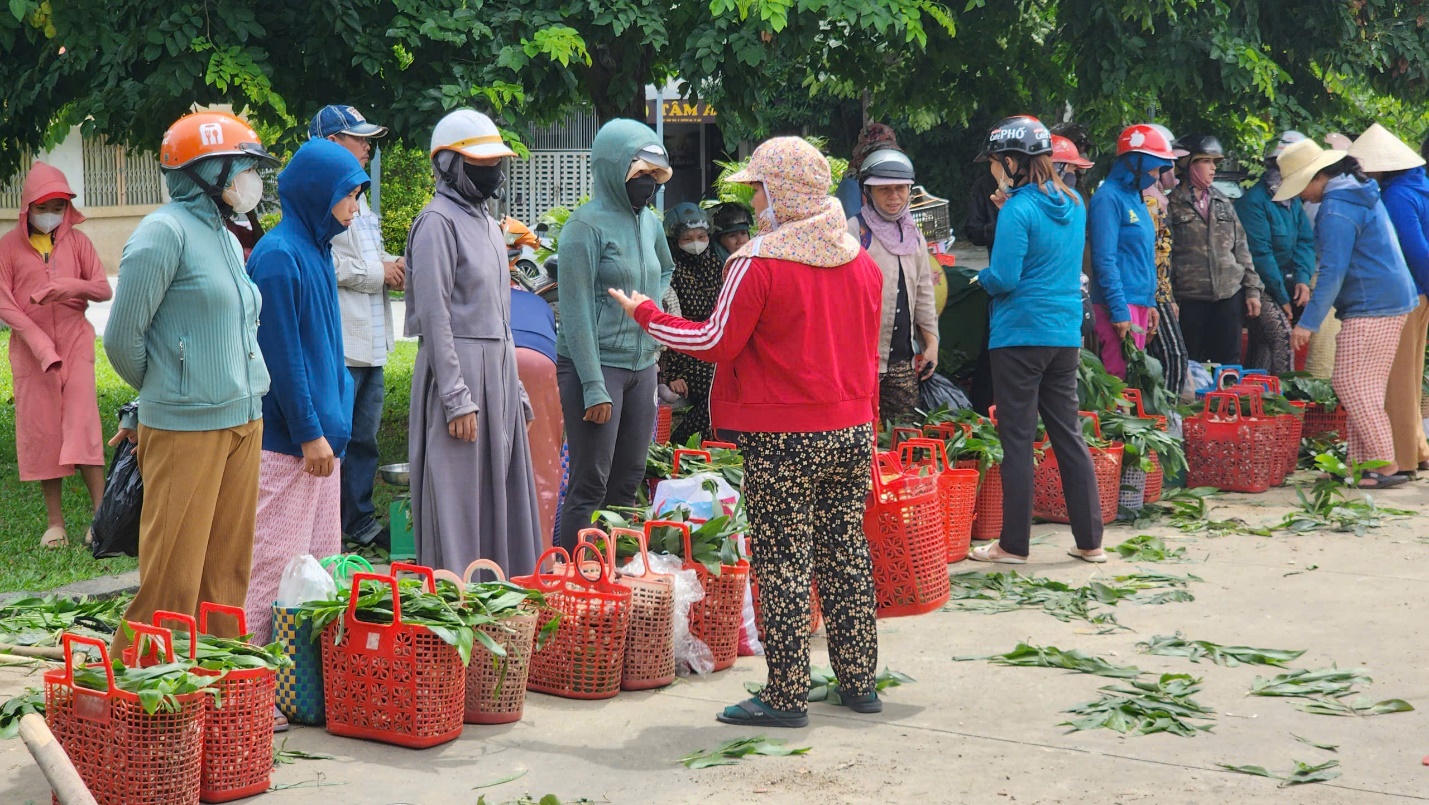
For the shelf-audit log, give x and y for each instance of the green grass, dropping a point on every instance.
(27, 566)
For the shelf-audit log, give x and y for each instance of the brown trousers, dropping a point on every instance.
(1405, 389)
(196, 530)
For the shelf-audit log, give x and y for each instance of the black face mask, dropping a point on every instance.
(487, 179)
(640, 191)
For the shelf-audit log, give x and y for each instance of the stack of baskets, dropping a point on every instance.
(716, 618)
(585, 659)
(1049, 502)
(957, 492)
(1230, 451)
(903, 525)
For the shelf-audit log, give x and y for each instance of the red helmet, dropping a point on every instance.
(1144, 138)
(1064, 151)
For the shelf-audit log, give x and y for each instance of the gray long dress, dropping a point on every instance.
(477, 499)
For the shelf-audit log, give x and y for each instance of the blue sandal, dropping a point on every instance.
(755, 713)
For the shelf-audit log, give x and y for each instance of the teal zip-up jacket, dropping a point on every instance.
(606, 244)
(1282, 244)
(183, 329)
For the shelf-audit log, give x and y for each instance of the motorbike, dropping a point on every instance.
(527, 270)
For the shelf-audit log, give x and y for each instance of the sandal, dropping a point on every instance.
(54, 537)
(860, 704)
(984, 553)
(1098, 558)
(280, 721)
(89, 536)
(1380, 481)
(754, 713)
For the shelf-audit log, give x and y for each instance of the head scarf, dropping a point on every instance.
(808, 225)
(1200, 179)
(873, 137)
(898, 234)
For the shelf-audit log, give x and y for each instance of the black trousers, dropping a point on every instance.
(1212, 329)
(607, 461)
(1029, 381)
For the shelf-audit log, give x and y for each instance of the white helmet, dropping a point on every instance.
(469, 133)
(1287, 139)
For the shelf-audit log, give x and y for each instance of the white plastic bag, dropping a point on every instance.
(691, 653)
(749, 643)
(691, 493)
(304, 580)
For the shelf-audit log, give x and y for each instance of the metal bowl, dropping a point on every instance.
(395, 474)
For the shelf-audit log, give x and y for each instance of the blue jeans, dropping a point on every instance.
(359, 466)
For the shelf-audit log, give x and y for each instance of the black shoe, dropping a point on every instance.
(373, 535)
(862, 704)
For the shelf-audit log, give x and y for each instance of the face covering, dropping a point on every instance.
(487, 179)
(1202, 172)
(1169, 180)
(767, 221)
(244, 192)
(695, 247)
(640, 191)
(45, 222)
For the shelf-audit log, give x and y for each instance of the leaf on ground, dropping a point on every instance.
(729, 752)
(1146, 707)
(1028, 655)
(1305, 773)
(1230, 656)
(508, 778)
(1146, 548)
(1258, 771)
(1308, 742)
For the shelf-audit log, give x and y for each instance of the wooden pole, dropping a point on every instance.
(69, 788)
(46, 652)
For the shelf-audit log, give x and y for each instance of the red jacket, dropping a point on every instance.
(795, 346)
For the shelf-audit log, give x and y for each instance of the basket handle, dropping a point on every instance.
(939, 453)
(1226, 372)
(163, 616)
(1133, 396)
(651, 525)
(483, 564)
(902, 434)
(209, 608)
(675, 467)
(390, 581)
(640, 540)
(537, 577)
(341, 565)
(574, 572)
(456, 581)
(880, 459)
(1096, 421)
(1226, 400)
(70, 640)
(164, 637)
(1253, 396)
(424, 572)
(707, 445)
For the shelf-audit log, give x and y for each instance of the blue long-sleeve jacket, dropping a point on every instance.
(301, 328)
(1406, 197)
(1362, 273)
(1282, 244)
(1035, 274)
(1123, 245)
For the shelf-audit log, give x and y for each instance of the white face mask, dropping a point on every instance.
(695, 247)
(244, 192)
(46, 222)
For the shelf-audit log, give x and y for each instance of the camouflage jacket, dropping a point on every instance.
(1210, 259)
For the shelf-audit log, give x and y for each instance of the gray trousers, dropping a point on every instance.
(607, 461)
(1028, 381)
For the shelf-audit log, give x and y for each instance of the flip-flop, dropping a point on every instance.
(280, 721)
(1382, 481)
(860, 704)
(754, 713)
(1087, 556)
(89, 536)
(983, 553)
(54, 537)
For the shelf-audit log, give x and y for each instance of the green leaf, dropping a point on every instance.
(1326, 747)
(729, 752)
(1258, 771)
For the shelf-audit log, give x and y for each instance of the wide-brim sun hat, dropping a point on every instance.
(1299, 163)
(471, 134)
(1379, 151)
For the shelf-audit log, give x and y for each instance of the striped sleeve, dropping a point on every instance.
(725, 333)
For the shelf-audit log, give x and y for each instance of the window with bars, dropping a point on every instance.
(548, 179)
(115, 176)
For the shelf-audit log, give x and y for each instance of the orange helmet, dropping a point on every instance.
(202, 135)
(1064, 150)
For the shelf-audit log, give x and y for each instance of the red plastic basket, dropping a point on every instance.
(1320, 423)
(1226, 450)
(664, 415)
(903, 525)
(902, 434)
(586, 658)
(1155, 479)
(987, 511)
(957, 492)
(716, 618)
(124, 755)
(396, 683)
(238, 722)
(1297, 432)
(496, 691)
(1049, 502)
(650, 640)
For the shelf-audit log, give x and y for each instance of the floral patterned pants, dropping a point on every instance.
(898, 392)
(805, 496)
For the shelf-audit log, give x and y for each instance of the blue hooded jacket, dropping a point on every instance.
(1282, 245)
(1362, 272)
(1123, 241)
(1406, 197)
(1035, 273)
(301, 328)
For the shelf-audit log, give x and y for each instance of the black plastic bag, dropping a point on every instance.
(938, 391)
(116, 524)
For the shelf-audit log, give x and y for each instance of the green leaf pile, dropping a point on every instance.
(1027, 655)
(1196, 650)
(1326, 689)
(1300, 775)
(730, 752)
(1146, 707)
(992, 593)
(1146, 548)
(16, 708)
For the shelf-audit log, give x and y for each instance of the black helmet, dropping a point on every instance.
(1200, 145)
(731, 217)
(682, 217)
(887, 164)
(1023, 134)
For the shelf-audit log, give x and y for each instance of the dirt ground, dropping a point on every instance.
(973, 732)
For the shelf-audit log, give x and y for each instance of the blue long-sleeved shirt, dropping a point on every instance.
(1123, 244)
(301, 329)
(1362, 273)
(1406, 197)
(1035, 273)
(1282, 244)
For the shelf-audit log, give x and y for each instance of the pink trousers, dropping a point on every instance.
(1111, 345)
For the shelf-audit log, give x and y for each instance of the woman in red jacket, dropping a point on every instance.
(794, 340)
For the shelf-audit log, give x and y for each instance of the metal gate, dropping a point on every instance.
(548, 179)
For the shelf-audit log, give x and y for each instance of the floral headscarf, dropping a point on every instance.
(808, 224)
